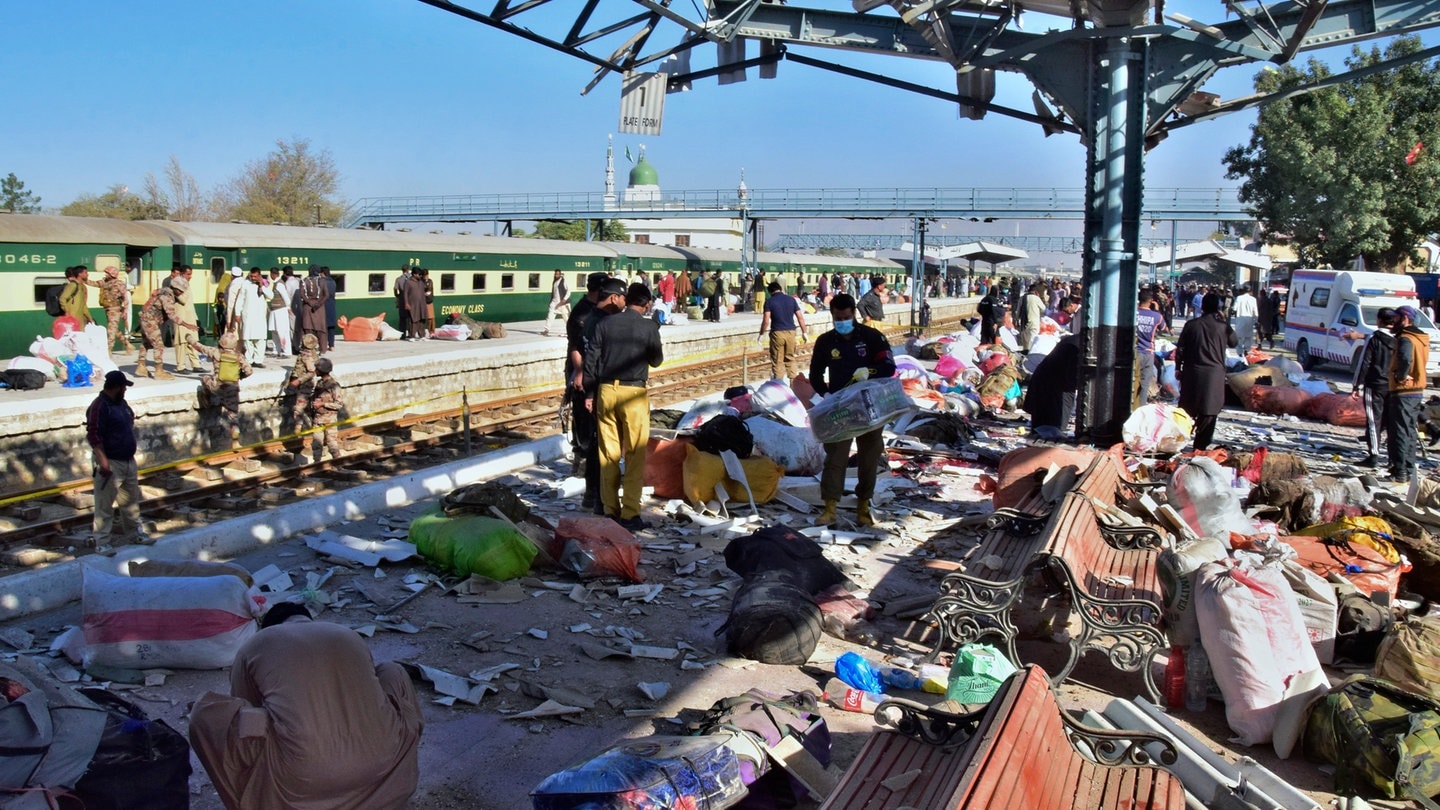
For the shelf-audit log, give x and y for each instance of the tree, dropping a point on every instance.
(601, 230)
(180, 195)
(117, 203)
(1332, 171)
(292, 184)
(14, 196)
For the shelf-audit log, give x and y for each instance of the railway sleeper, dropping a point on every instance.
(28, 556)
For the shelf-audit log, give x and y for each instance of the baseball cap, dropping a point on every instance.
(1408, 312)
(612, 286)
(117, 378)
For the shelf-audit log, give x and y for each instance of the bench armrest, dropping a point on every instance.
(1116, 747)
(942, 725)
(1016, 522)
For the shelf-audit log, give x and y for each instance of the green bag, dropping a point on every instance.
(1378, 735)
(1410, 655)
(470, 544)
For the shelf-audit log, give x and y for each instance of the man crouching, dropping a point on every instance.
(311, 722)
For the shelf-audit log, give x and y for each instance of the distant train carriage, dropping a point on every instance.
(489, 278)
(652, 260)
(35, 250)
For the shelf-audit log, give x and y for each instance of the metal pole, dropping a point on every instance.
(465, 409)
(916, 257)
(1174, 231)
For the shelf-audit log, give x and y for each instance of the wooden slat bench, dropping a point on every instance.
(976, 601)
(1115, 591)
(1019, 753)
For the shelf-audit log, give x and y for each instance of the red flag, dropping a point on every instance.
(1414, 153)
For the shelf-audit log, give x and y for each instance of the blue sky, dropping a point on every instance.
(412, 100)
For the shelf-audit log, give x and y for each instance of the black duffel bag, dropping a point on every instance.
(141, 764)
(772, 621)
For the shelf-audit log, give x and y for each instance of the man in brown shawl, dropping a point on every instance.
(312, 724)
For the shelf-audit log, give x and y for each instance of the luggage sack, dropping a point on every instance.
(1379, 737)
(1409, 656)
(141, 764)
(648, 772)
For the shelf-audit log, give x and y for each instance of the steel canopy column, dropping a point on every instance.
(1114, 159)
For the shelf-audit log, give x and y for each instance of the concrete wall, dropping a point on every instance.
(42, 436)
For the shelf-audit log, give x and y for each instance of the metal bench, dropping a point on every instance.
(1115, 591)
(1022, 752)
(976, 601)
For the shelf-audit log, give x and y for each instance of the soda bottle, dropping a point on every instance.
(1175, 678)
(842, 695)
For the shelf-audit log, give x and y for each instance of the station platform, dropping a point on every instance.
(42, 433)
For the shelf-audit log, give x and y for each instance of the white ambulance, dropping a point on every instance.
(1331, 312)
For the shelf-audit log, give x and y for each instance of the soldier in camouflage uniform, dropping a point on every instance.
(113, 288)
(325, 406)
(160, 308)
(301, 384)
(222, 389)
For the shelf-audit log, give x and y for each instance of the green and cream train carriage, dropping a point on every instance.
(489, 278)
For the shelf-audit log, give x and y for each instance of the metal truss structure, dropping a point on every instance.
(1120, 74)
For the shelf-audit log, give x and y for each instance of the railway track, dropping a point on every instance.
(38, 530)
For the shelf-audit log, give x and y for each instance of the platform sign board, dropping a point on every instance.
(642, 103)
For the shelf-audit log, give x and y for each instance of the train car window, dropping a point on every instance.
(42, 286)
(534, 281)
(377, 282)
(217, 269)
(507, 281)
(477, 282)
(447, 282)
(580, 281)
(339, 279)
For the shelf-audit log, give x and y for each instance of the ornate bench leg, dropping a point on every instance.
(970, 609)
(1124, 629)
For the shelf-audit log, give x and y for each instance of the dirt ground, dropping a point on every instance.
(482, 756)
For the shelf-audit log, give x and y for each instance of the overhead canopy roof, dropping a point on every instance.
(1207, 249)
(989, 252)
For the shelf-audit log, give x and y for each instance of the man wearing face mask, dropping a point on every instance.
(849, 352)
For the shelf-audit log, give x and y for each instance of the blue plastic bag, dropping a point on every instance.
(77, 372)
(855, 671)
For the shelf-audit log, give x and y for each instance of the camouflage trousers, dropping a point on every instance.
(151, 337)
(226, 397)
(115, 331)
(326, 436)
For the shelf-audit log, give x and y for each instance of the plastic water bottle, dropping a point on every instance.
(1175, 678)
(899, 678)
(1197, 678)
(842, 695)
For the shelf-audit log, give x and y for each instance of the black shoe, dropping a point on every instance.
(634, 524)
(599, 509)
(1371, 461)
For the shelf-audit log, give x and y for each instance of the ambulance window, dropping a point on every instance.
(1349, 316)
(1321, 297)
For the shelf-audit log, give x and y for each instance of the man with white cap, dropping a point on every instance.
(232, 301)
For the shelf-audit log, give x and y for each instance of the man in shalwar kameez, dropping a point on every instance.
(312, 723)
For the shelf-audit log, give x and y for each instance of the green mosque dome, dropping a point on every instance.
(644, 174)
